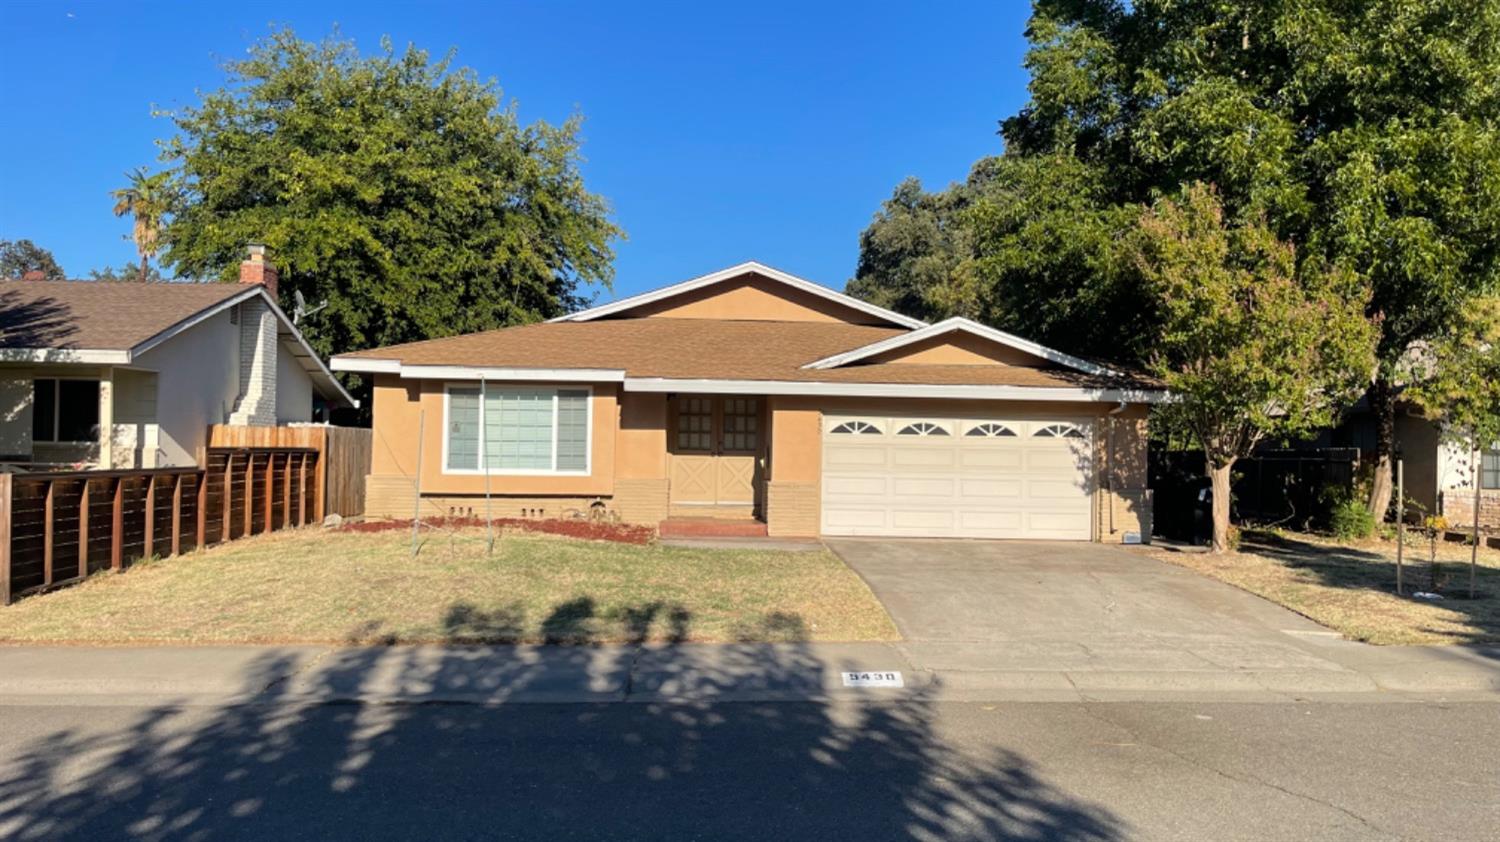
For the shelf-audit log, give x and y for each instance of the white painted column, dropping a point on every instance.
(107, 419)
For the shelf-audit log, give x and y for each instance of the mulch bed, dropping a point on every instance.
(586, 529)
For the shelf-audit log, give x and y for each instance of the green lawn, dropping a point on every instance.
(312, 586)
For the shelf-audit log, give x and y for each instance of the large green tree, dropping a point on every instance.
(19, 257)
(398, 188)
(1253, 343)
(1366, 133)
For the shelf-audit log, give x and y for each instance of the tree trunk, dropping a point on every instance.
(1383, 409)
(143, 268)
(1219, 476)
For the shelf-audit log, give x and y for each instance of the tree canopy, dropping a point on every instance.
(396, 187)
(1368, 134)
(1253, 343)
(18, 257)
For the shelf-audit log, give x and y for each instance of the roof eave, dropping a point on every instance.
(79, 356)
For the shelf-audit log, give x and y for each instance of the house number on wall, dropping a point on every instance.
(873, 679)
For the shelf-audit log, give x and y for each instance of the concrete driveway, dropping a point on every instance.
(1066, 607)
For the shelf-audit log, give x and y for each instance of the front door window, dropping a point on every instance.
(741, 417)
(695, 425)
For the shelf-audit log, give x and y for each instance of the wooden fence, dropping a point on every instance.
(344, 462)
(57, 528)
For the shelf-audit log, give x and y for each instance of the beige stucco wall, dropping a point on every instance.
(630, 461)
(756, 299)
(406, 413)
(958, 349)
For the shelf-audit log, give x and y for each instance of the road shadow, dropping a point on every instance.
(690, 769)
(1356, 569)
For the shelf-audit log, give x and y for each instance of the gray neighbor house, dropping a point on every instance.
(118, 375)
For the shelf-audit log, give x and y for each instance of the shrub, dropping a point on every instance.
(1351, 519)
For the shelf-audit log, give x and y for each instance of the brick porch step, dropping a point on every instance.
(712, 527)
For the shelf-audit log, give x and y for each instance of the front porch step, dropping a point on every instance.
(712, 527)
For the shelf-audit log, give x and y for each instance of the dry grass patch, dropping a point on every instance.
(340, 587)
(1350, 587)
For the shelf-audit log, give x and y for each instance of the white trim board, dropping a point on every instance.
(961, 325)
(736, 271)
(363, 365)
(895, 390)
(82, 356)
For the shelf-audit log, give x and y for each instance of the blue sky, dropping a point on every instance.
(718, 132)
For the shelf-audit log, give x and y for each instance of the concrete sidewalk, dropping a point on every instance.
(688, 672)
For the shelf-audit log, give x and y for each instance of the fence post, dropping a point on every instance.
(48, 509)
(270, 501)
(5, 539)
(176, 514)
(1400, 522)
(302, 490)
(117, 527)
(83, 531)
(249, 490)
(228, 485)
(202, 508)
(320, 475)
(149, 550)
(286, 493)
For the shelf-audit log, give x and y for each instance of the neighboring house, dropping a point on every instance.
(105, 375)
(759, 398)
(1439, 473)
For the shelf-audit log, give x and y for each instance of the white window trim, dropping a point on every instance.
(482, 470)
(57, 408)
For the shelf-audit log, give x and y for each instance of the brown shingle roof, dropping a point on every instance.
(103, 315)
(708, 349)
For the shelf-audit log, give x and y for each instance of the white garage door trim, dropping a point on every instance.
(958, 477)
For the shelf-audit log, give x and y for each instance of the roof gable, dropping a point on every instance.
(113, 322)
(749, 291)
(958, 341)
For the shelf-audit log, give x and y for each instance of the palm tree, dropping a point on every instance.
(148, 200)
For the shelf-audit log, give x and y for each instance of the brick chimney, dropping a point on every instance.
(34, 275)
(257, 270)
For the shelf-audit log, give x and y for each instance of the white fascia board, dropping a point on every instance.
(969, 326)
(364, 365)
(894, 390)
(82, 356)
(734, 272)
(548, 375)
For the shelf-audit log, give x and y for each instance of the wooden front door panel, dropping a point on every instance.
(695, 479)
(717, 444)
(734, 480)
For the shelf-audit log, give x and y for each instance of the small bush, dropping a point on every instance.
(1350, 519)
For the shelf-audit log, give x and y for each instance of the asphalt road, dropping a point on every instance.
(909, 770)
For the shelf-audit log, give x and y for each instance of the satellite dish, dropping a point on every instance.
(301, 311)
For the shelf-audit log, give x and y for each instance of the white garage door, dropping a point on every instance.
(975, 477)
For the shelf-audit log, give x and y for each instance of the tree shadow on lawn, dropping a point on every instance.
(280, 768)
(1355, 569)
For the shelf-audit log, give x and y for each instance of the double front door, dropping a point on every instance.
(717, 444)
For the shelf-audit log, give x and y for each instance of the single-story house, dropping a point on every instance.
(757, 397)
(97, 374)
(1439, 472)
